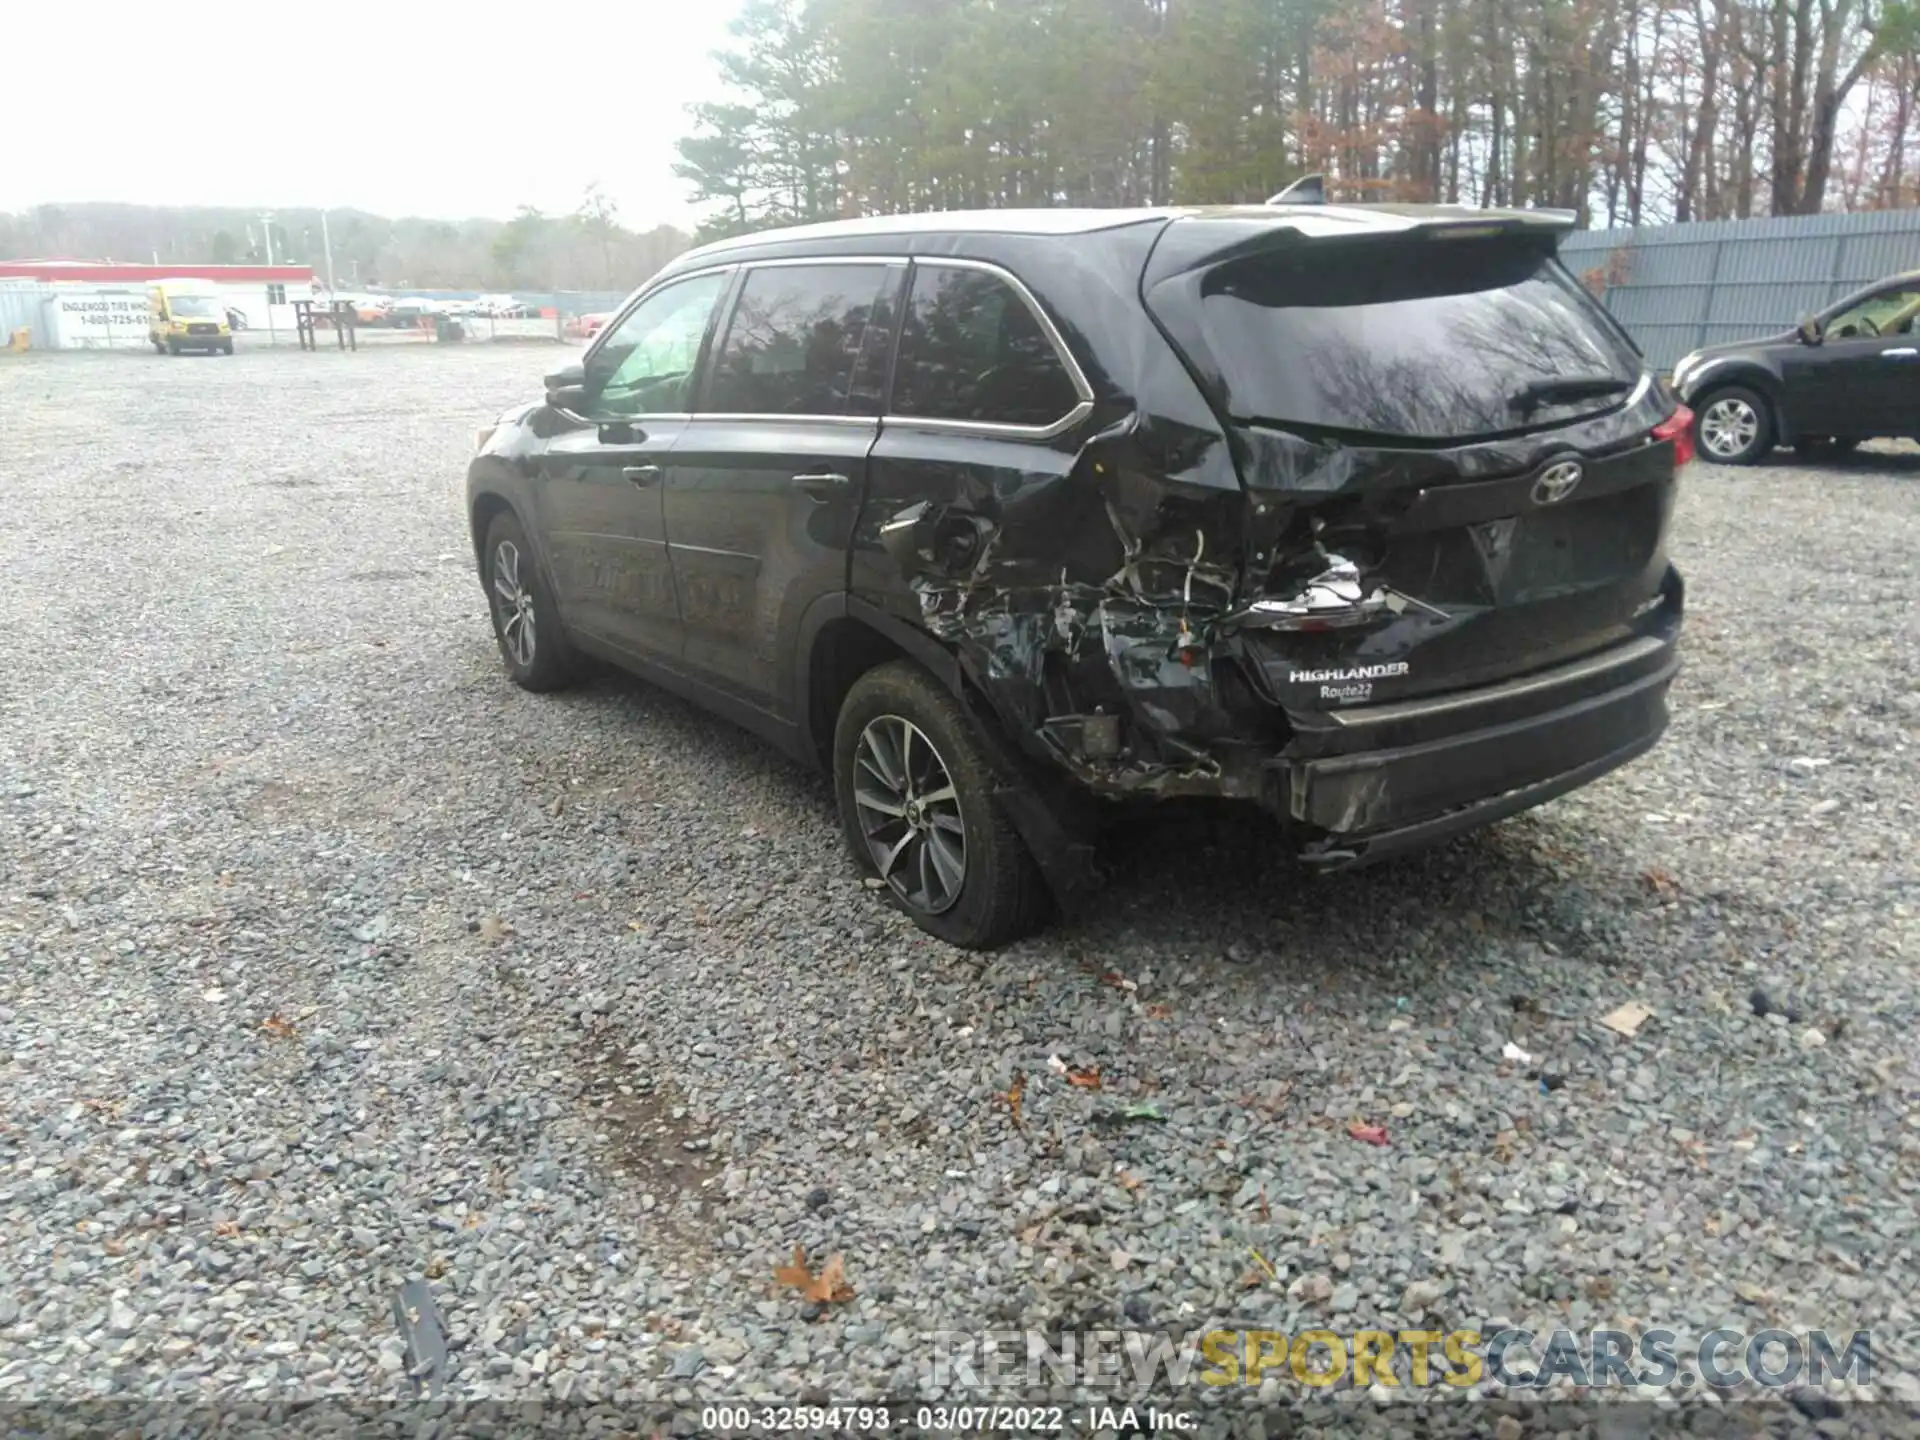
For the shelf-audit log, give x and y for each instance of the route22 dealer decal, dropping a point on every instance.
(1344, 686)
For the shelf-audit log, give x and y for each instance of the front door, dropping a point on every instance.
(764, 485)
(1863, 379)
(601, 483)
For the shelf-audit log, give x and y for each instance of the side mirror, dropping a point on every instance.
(567, 388)
(1810, 330)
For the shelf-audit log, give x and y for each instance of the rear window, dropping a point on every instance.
(1424, 340)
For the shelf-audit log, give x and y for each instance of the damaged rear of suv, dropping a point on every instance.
(1358, 514)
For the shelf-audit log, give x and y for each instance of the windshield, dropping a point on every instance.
(194, 307)
(1424, 340)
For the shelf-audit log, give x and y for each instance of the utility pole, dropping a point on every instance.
(326, 246)
(266, 226)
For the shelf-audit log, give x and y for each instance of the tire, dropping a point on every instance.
(159, 348)
(227, 349)
(173, 347)
(994, 894)
(522, 606)
(1734, 426)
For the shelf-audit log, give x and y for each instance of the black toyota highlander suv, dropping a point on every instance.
(1358, 514)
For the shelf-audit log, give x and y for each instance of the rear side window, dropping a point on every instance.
(971, 349)
(1416, 340)
(798, 342)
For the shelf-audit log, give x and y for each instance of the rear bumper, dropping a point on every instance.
(1438, 767)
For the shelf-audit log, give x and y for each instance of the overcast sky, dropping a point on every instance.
(443, 109)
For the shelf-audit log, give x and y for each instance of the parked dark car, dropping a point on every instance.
(1357, 514)
(1848, 374)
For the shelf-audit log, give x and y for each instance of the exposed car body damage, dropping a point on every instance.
(1182, 607)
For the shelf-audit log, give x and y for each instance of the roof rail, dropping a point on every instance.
(1307, 190)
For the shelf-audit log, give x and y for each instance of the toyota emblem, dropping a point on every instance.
(1556, 482)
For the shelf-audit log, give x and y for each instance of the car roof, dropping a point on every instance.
(1312, 221)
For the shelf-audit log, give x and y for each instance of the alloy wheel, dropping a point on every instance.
(513, 603)
(910, 814)
(1728, 427)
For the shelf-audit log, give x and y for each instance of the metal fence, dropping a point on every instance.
(23, 306)
(1677, 287)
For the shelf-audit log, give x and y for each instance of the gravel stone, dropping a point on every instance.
(329, 960)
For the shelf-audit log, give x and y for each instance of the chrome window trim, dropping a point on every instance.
(785, 260)
(993, 429)
(803, 417)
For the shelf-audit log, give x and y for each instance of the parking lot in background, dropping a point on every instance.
(332, 960)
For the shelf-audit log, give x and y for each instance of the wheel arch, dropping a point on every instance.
(1746, 374)
(842, 638)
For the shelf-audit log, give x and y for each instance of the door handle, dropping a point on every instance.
(822, 485)
(1904, 352)
(642, 475)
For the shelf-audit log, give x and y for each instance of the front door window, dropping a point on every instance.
(646, 365)
(1890, 312)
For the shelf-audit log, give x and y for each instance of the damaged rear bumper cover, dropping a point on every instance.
(1470, 758)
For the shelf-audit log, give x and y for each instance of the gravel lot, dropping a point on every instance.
(331, 960)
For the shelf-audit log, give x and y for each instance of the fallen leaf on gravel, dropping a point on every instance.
(1118, 981)
(1159, 1012)
(1627, 1019)
(1265, 1212)
(494, 928)
(1088, 1079)
(1661, 883)
(829, 1286)
(1014, 1093)
(1130, 1182)
(1368, 1134)
(278, 1028)
(225, 1229)
(1261, 1261)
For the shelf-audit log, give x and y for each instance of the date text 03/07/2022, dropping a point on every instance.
(761, 1419)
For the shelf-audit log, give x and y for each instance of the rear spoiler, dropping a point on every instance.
(1312, 190)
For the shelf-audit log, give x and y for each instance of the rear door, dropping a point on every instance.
(764, 483)
(986, 409)
(601, 485)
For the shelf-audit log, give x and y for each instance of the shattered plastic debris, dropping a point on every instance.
(1368, 1134)
(1511, 1051)
(1628, 1019)
(425, 1333)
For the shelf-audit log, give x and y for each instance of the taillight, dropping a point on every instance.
(1677, 427)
